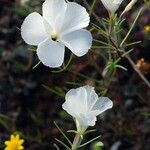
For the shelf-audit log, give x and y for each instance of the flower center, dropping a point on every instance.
(55, 37)
(14, 146)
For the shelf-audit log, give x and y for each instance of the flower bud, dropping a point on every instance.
(129, 6)
(111, 5)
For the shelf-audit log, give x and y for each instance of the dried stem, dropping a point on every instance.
(126, 37)
(137, 70)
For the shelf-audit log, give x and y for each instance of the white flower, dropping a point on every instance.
(60, 25)
(112, 5)
(84, 105)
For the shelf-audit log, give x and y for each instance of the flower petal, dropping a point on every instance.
(102, 105)
(33, 29)
(17, 137)
(12, 137)
(71, 106)
(54, 10)
(75, 101)
(7, 142)
(83, 121)
(92, 97)
(20, 147)
(79, 42)
(51, 53)
(88, 119)
(21, 141)
(111, 5)
(117, 1)
(76, 18)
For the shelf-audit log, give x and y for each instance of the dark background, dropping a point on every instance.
(26, 106)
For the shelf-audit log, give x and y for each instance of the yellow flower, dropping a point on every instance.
(147, 28)
(15, 143)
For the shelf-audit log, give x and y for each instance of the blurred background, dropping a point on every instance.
(31, 99)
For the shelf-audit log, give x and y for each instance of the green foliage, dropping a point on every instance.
(98, 146)
(6, 123)
(21, 10)
(147, 2)
(64, 115)
(56, 90)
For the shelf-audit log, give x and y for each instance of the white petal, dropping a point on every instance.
(79, 42)
(117, 1)
(75, 101)
(87, 120)
(51, 53)
(76, 18)
(102, 104)
(54, 11)
(111, 5)
(33, 30)
(83, 121)
(48, 27)
(92, 97)
(71, 106)
(80, 126)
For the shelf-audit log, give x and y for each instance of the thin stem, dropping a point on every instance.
(76, 142)
(127, 56)
(92, 7)
(62, 133)
(95, 15)
(36, 65)
(124, 40)
(63, 144)
(138, 71)
(89, 142)
(56, 147)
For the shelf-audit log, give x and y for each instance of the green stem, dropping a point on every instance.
(62, 133)
(66, 66)
(92, 7)
(36, 65)
(89, 142)
(128, 57)
(129, 32)
(63, 144)
(76, 142)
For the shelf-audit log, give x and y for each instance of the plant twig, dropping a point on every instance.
(95, 15)
(129, 32)
(56, 147)
(35, 66)
(62, 133)
(92, 7)
(138, 71)
(63, 144)
(89, 142)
